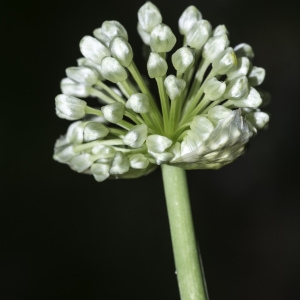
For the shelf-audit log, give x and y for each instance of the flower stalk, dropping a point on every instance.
(191, 281)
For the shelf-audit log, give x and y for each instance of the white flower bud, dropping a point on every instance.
(145, 36)
(100, 171)
(198, 34)
(136, 136)
(201, 127)
(244, 49)
(161, 158)
(84, 62)
(94, 131)
(162, 39)
(158, 143)
(188, 18)
(213, 88)
(190, 142)
(72, 88)
(225, 62)
(253, 100)
(106, 151)
(112, 29)
(220, 30)
(81, 162)
(138, 161)
(237, 88)
(149, 16)
(113, 112)
(82, 75)
(139, 103)
(75, 133)
(69, 107)
(65, 154)
(121, 50)
(217, 113)
(156, 65)
(214, 47)
(120, 164)
(242, 68)
(92, 49)
(174, 86)
(175, 149)
(256, 76)
(112, 70)
(99, 35)
(258, 119)
(183, 59)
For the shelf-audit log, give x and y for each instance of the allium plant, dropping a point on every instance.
(203, 117)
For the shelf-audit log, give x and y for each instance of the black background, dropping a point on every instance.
(65, 236)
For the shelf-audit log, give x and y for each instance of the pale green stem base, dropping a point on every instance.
(190, 278)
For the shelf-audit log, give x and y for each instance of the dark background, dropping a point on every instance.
(65, 236)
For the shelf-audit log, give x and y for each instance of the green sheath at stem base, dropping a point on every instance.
(190, 279)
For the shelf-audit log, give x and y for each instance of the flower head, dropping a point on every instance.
(205, 115)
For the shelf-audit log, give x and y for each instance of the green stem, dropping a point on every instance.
(109, 91)
(164, 99)
(190, 279)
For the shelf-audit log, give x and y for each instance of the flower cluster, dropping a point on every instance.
(206, 112)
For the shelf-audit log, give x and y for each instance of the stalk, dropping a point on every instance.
(191, 281)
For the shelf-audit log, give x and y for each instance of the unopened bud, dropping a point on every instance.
(64, 155)
(82, 75)
(217, 113)
(174, 86)
(214, 89)
(113, 112)
(92, 49)
(138, 102)
(188, 18)
(198, 34)
(120, 164)
(183, 59)
(149, 16)
(69, 107)
(112, 29)
(72, 88)
(158, 143)
(156, 66)
(145, 36)
(242, 68)
(244, 49)
(202, 127)
(253, 100)
(112, 70)
(100, 171)
(138, 161)
(84, 62)
(214, 47)
(99, 35)
(121, 50)
(258, 119)
(94, 131)
(136, 136)
(81, 162)
(256, 76)
(225, 62)
(162, 39)
(219, 30)
(237, 88)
